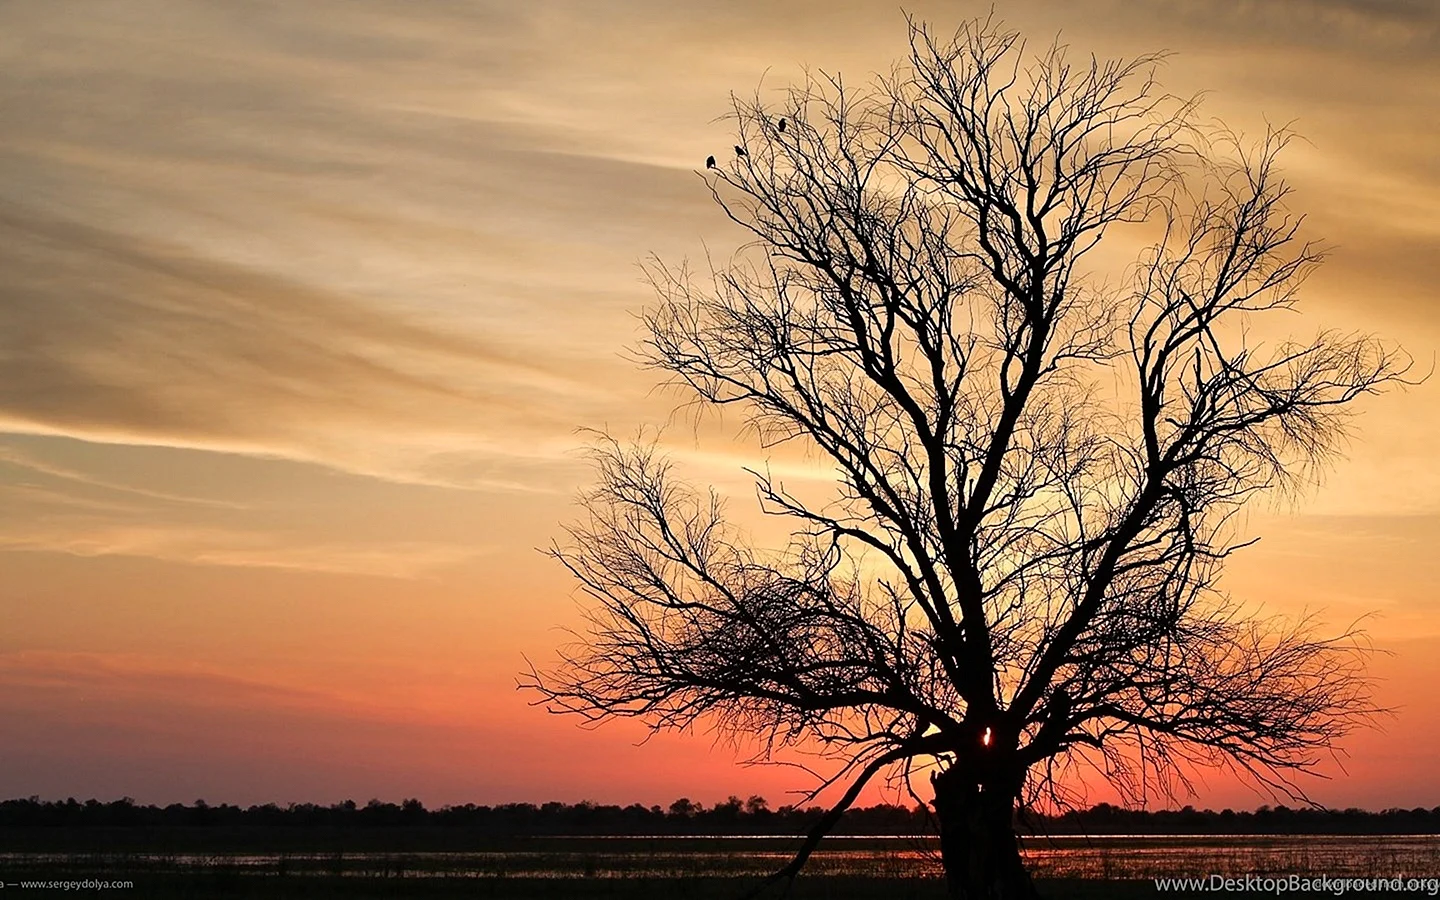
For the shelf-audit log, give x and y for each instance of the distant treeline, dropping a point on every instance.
(684, 817)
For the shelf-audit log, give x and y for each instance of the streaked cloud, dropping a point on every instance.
(105, 337)
(237, 548)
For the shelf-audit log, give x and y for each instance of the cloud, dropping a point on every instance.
(153, 679)
(321, 237)
(374, 235)
(20, 459)
(229, 547)
(400, 240)
(107, 337)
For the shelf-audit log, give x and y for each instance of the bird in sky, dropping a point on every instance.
(739, 150)
(709, 162)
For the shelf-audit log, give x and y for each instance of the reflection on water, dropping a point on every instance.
(1235, 855)
(1097, 856)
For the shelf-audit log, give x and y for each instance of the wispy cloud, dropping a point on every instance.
(221, 547)
(107, 336)
(32, 463)
(137, 673)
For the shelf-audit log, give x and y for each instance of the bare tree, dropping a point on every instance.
(1037, 470)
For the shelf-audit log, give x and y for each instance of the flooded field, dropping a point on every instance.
(1107, 857)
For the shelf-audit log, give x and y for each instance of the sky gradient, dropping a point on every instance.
(303, 303)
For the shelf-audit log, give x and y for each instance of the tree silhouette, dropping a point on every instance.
(1037, 469)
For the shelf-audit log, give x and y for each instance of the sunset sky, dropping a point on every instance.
(303, 303)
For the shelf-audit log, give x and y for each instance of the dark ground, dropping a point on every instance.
(226, 887)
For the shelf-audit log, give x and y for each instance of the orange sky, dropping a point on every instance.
(302, 303)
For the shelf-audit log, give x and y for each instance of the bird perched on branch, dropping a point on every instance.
(739, 150)
(780, 126)
(709, 162)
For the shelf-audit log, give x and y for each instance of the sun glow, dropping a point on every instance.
(985, 739)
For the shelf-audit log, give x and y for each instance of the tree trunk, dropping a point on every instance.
(977, 837)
